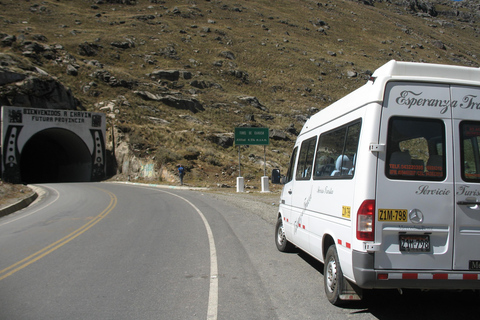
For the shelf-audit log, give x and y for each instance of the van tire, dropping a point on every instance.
(333, 277)
(281, 241)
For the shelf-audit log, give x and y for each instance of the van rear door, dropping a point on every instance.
(466, 124)
(415, 183)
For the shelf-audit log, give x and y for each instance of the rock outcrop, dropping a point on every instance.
(35, 89)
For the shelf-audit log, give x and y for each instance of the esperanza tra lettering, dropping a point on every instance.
(412, 99)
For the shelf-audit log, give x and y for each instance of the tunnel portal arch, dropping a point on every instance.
(55, 155)
(40, 145)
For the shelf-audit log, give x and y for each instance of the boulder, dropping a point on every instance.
(123, 44)
(7, 40)
(224, 140)
(439, 44)
(179, 102)
(127, 2)
(202, 84)
(239, 74)
(88, 49)
(71, 70)
(351, 74)
(170, 75)
(227, 54)
(7, 76)
(169, 52)
(111, 80)
(275, 134)
(253, 101)
(292, 130)
(182, 103)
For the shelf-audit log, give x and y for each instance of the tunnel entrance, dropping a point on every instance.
(55, 155)
(49, 145)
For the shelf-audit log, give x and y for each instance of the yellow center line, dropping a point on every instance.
(54, 246)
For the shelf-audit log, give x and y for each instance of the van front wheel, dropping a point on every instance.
(281, 241)
(333, 277)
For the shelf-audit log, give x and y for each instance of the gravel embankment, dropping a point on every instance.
(264, 205)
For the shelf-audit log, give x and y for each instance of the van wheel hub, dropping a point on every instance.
(281, 235)
(331, 275)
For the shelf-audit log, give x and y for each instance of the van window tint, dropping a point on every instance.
(470, 142)
(415, 149)
(305, 159)
(336, 152)
(291, 166)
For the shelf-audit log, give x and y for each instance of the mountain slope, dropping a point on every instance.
(176, 77)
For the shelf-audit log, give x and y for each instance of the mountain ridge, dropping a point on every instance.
(176, 77)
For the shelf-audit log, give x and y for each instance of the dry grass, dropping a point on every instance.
(11, 193)
(278, 44)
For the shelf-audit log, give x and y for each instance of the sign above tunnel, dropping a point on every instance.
(52, 144)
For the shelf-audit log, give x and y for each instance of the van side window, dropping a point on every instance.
(291, 166)
(415, 149)
(336, 152)
(305, 159)
(470, 150)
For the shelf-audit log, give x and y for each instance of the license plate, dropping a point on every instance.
(414, 243)
(474, 265)
(396, 215)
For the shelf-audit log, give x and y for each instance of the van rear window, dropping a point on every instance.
(415, 149)
(470, 141)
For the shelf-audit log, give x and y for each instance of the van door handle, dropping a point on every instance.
(289, 191)
(468, 203)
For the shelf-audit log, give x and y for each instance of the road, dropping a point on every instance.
(117, 251)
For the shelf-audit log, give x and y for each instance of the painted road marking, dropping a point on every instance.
(54, 246)
(212, 309)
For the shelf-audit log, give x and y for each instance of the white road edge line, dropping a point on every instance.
(212, 310)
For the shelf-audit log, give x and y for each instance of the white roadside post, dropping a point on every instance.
(240, 180)
(264, 179)
(265, 187)
(240, 184)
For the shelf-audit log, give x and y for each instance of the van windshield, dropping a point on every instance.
(416, 149)
(470, 141)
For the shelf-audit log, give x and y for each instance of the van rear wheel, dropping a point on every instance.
(333, 277)
(281, 241)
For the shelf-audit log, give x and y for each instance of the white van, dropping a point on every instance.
(383, 186)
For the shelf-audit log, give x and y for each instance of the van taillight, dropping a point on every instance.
(366, 221)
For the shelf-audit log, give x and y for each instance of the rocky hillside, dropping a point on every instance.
(176, 77)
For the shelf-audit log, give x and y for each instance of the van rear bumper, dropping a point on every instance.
(367, 277)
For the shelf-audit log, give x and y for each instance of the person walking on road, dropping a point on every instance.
(181, 173)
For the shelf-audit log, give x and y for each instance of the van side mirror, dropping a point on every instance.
(276, 177)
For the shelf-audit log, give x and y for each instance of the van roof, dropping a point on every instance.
(373, 90)
(428, 71)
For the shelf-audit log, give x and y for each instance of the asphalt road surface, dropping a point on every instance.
(116, 251)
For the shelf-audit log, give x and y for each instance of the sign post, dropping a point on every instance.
(252, 136)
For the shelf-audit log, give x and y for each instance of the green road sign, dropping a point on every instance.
(251, 136)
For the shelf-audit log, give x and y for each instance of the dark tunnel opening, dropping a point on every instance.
(55, 155)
